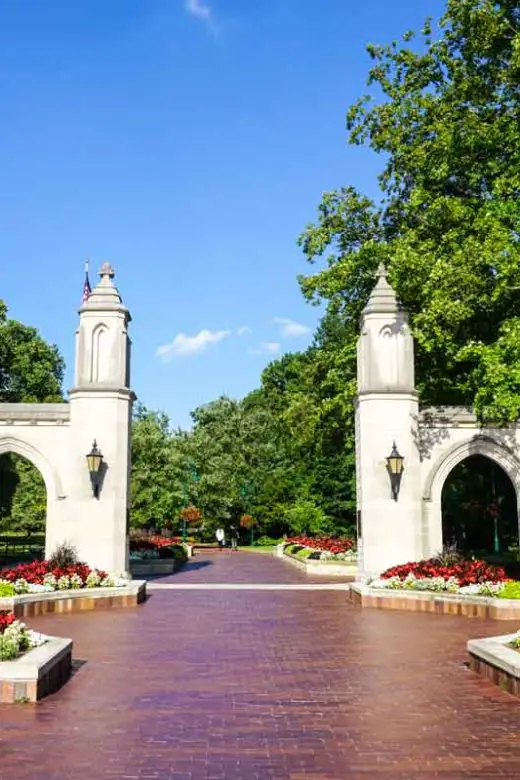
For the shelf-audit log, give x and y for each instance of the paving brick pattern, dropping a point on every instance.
(229, 685)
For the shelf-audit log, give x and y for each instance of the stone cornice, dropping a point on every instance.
(88, 390)
(35, 413)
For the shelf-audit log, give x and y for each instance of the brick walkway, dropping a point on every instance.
(258, 685)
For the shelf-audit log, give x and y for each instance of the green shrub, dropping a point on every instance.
(304, 553)
(8, 648)
(292, 549)
(6, 590)
(266, 541)
(511, 590)
(179, 553)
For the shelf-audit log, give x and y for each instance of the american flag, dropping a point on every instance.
(87, 289)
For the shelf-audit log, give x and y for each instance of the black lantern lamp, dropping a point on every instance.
(395, 468)
(94, 462)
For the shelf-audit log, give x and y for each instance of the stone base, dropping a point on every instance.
(322, 568)
(152, 568)
(498, 663)
(440, 604)
(37, 673)
(33, 604)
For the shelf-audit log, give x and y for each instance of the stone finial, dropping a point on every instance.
(106, 273)
(382, 298)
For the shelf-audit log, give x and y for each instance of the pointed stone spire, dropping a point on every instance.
(382, 298)
(105, 292)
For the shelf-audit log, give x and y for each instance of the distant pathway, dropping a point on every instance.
(263, 684)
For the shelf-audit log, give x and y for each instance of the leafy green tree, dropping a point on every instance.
(26, 504)
(446, 118)
(155, 484)
(30, 371)
(304, 516)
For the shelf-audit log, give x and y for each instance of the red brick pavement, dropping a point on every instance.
(263, 685)
(220, 566)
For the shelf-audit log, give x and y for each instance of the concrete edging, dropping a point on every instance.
(152, 568)
(37, 672)
(321, 568)
(492, 659)
(484, 607)
(32, 604)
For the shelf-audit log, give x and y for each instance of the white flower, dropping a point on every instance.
(93, 579)
(35, 588)
(76, 581)
(21, 586)
(51, 581)
(36, 639)
(64, 582)
(121, 582)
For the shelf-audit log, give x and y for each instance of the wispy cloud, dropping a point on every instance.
(266, 348)
(203, 12)
(183, 345)
(243, 330)
(198, 8)
(290, 328)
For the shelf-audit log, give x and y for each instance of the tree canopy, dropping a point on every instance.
(445, 116)
(31, 371)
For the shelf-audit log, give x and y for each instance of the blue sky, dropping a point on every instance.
(188, 142)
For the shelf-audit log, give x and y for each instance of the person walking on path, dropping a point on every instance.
(221, 537)
(234, 537)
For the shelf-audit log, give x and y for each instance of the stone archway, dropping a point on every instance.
(51, 477)
(447, 461)
(54, 493)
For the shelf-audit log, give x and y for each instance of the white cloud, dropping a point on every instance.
(266, 348)
(290, 328)
(183, 345)
(199, 9)
(243, 330)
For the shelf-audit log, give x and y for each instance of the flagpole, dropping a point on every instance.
(86, 285)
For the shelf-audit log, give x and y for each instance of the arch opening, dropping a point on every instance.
(23, 509)
(479, 508)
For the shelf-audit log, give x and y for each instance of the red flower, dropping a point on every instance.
(6, 618)
(466, 572)
(34, 572)
(324, 543)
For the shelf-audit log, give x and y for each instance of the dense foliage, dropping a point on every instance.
(30, 371)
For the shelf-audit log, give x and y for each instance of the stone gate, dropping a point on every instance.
(432, 441)
(57, 437)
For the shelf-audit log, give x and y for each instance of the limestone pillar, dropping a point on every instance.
(386, 412)
(100, 410)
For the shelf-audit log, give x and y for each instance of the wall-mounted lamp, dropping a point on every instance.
(395, 468)
(95, 462)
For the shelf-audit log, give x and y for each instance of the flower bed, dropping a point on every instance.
(463, 577)
(143, 548)
(322, 548)
(42, 577)
(15, 637)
